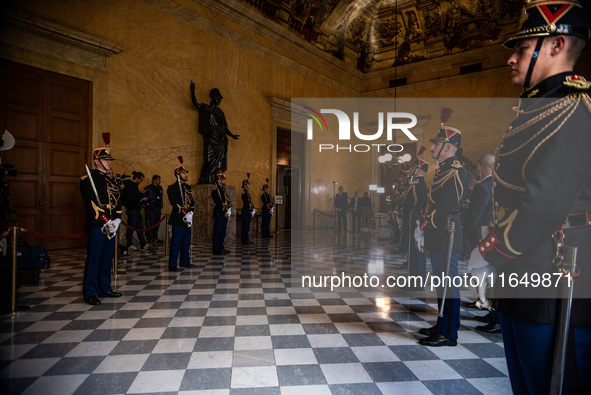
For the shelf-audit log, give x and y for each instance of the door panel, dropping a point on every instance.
(21, 122)
(49, 115)
(63, 206)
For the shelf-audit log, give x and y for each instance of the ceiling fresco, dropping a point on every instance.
(379, 34)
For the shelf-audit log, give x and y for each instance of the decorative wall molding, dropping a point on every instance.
(330, 71)
(35, 34)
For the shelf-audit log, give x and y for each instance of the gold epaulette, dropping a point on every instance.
(456, 164)
(84, 177)
(577, 82)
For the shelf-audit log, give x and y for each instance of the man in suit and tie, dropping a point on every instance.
(341, 203)
(356, 213)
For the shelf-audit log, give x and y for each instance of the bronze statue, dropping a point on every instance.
(214, 128)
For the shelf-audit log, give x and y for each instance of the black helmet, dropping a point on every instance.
(552, 18)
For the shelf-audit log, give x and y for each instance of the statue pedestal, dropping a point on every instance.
(203, 217)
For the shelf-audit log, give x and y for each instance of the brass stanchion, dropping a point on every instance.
(14, 309)
(117, 270)
(166, 240)
(115, 260)
(191, 245)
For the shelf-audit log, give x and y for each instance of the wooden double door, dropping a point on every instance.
(49, 115)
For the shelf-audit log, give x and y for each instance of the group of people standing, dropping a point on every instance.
(150, 199)
(359, 207)
(540, 183)
(104, 198)
(531, 205)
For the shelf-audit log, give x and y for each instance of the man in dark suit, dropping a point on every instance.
(542, 200)
(268, 209)
(341, 203)
(356, 212)
(247, 211)
(478, 217)
(480, 209)
(443, 207)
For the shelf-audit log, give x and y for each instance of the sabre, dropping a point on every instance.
(181, 189)
(182, 200)
(559, 360)
(410, 235)
(451, 228)
(107, 233)
(93, 186)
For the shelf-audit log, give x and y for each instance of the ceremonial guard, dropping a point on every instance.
(442, 227)
(414, 202)
(247, 212)
(102, 198)
(267, 211)
(400, 193)
(221, 212)
(181, 199)
(542, 206)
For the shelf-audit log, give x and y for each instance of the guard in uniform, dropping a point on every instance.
(221, 212)
(102, 198)
(181, 199)
(247, 211)
(542, 199)
(415, 201)
(267, 211)
(401, 193)
(443, 208)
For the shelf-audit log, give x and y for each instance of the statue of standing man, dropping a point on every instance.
(214, 128)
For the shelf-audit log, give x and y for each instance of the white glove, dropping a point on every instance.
(272, 210)
(253, 212)
(398, 220)
(419, 233)
(228, 212)
(476, 260)
(419, 238)
(188, 218)
(106, 227)
(3, 246)
(113, 225)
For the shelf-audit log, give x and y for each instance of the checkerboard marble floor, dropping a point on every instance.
(242, 324)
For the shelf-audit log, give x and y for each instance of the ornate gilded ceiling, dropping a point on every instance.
(378, 34)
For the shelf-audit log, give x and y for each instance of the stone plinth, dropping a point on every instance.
(203, 217)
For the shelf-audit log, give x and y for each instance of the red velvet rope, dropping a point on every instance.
(77, 235)
(144, 230)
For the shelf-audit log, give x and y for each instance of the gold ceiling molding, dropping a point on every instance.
(337, 75)
(19, 21)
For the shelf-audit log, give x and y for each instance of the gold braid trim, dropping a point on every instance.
(543, 129)
(444, 178)
(509, 223)
(566, 104)
(224, 204)
(574, 107)
(587, 101)
(506, 184)
(459, 193)
(97, 210)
